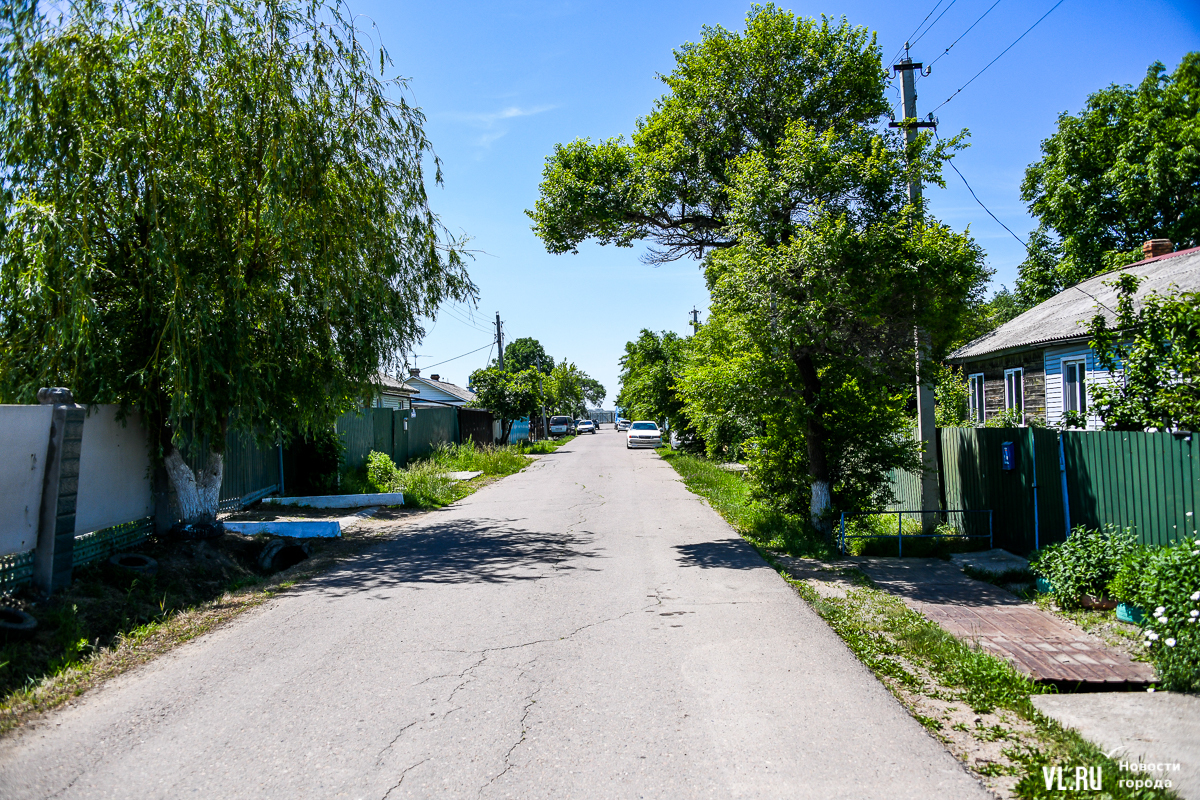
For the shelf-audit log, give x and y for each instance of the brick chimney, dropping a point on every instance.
(416, 373)
(1157, 247)
(435, 377)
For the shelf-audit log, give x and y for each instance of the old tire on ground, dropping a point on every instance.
(16, 624)
(135, 562)
(196, 531)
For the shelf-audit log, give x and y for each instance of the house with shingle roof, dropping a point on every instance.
(436, 391)
(1038, 365)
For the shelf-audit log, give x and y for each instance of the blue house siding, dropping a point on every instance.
(1096, 376)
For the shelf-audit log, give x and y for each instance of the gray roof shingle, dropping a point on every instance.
(1068, 314)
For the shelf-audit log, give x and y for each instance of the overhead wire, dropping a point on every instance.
(464, 355)
(964, 33)
(997, 58)
(981, 204)
(913, 43)
(914, 33)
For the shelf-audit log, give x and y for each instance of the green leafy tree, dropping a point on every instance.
(593, 391)
(214, 213)
(509, 395)
(650, 373)
(1152, 348)
(527, 353)
(564, 389)
(766, 158)
(1123, 171)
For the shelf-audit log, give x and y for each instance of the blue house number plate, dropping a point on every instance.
(1008, 455)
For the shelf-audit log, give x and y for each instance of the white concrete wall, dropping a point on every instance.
(115, 481)
(24, 436)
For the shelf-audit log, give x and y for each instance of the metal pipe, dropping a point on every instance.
(1033, 459)
(1062, 471)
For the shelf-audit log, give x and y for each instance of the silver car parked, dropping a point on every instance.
(643, 434)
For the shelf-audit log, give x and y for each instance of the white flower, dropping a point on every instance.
(1196, 552)
(1170, 642)
(1152, 636)
(1195, 596)
(1163, 620)
(1150, 690)
(1195, 613)
(1158, 612)
(1191, 619)
(1145, 644)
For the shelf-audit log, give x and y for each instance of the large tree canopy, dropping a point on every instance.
(1125, 170)
(527, 353)
(211, 212)
(651, 369)
(768, 158)
(730, 95)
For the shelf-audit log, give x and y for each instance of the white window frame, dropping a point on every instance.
(977, 398)
(1082, 384)
(1019, 383)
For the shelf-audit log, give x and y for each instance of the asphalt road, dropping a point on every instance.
(587, 628)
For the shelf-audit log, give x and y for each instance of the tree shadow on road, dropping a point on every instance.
(461, 551)
(728, 553)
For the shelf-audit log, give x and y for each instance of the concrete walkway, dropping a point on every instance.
(1160, 730)
(587, 628)
(1036, 642)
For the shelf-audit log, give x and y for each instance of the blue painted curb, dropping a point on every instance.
(292, 529)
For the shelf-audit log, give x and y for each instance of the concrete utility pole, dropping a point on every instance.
(499, 342)
(695, 323)
(926, 429)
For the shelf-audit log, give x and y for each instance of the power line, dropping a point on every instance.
(935, 22)
(981, 205)
(914, 33)
(456, 358)
(457, 316)
(997, 58)
(964, 33)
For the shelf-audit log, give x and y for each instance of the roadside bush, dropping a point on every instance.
(488, 459)
(1126, 584)
(426, 485)
(381, 471)
(1084, 564)
(1169, 593)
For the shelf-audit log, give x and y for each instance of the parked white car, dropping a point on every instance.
(623, 424)
(643, 434)
(585, 426)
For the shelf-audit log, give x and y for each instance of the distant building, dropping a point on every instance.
(435, 391)
(1040, 364)
(393, 393)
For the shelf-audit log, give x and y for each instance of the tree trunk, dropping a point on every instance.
(197, 495)
(507, 431)
(815, 437)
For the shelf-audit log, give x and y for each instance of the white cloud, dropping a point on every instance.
(494, 123)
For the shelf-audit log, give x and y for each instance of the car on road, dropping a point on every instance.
(623, 424)
(585, 426)
(561, 426)
(643, 434)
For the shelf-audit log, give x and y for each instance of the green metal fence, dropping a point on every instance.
(251, 468)
(402, 434)
(1148, 482)
(431, 427)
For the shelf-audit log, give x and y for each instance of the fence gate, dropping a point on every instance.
(475, 424)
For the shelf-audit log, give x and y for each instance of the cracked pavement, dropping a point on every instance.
(586, 628)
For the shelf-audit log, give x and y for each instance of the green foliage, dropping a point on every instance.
(882, 530)
(316, 461)
(488, 459)
(566, 389)
(509, 395)
(950, 408)
(381, 470)
(527, 353)
(730, 95)
(650, 372)
(1168, 591)
(210, 209)
(1084, 564)
(1121, 172)
(1154, 343)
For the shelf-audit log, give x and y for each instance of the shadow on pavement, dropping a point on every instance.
(462, 551)
(728, 553)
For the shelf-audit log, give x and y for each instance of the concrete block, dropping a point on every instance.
(292, 529)
(340, 500)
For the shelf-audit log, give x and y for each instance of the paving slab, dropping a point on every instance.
(465, 475)
(1036, 642)
(994, 562)
(1159, 730)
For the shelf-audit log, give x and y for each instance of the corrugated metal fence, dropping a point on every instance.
(402, 434)
(251, 469)
(1145, 481)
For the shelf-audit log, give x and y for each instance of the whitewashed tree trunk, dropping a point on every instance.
(819, 509)
(197, 495)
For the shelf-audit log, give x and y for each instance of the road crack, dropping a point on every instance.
(403, 775)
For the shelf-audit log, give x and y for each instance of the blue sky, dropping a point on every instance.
(502, 82)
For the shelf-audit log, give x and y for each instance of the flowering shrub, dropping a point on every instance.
(1170, 594)
(1084, 564)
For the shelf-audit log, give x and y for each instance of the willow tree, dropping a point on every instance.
(768, 158)
(213, 213)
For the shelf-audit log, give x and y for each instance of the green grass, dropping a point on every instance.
(729, 494)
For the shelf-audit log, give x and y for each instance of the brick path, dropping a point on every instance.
(1034, 641)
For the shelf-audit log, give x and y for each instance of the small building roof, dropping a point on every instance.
(1068, 314)
(389, 385)
(422, 386)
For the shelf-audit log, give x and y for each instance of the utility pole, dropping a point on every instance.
(499, 342)
(695, 320)
(926, 428)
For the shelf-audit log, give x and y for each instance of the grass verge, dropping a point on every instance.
(730, 496)
(976, 704)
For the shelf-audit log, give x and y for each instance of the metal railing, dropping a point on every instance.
(899, 534)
